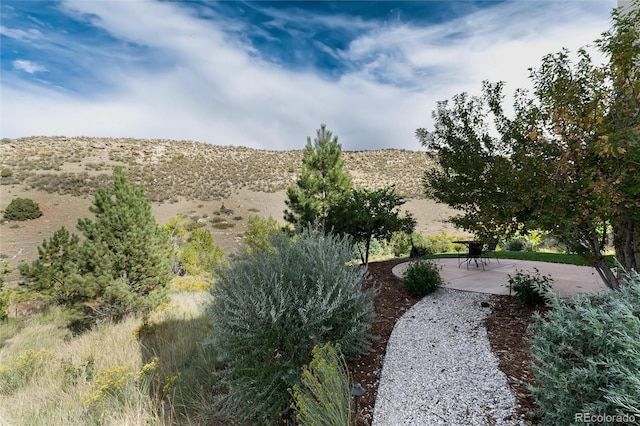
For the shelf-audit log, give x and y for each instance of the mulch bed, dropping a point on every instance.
(506, 328)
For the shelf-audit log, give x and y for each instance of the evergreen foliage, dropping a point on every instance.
(322, 182)
(323, 397)
(125, 250)
(22, 209)
(55, 271)
(586, 355)
(122, 265)
(269, 311)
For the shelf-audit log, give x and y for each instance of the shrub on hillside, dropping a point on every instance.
(22, 209)
(257, 238)
(6, 173)
(530, 289)
(4, 298)
(586, 356)
(422, 277)
(200, 255)
(272, 307)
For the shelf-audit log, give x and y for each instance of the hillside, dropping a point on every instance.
(216, 185)
(170, 169)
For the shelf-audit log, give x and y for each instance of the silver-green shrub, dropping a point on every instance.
(586, 357)
(271, 308)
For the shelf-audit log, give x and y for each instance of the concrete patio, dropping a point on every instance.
(568, 280)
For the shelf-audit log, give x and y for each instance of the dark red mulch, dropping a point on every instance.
(506, 327)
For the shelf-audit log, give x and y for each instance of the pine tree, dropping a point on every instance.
(56, 270)
(125, 251)
(322, 182)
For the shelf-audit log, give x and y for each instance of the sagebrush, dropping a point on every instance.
(586, 355)
(270, 309)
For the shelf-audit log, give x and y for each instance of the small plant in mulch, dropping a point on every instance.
(530, 289)
(422, 277)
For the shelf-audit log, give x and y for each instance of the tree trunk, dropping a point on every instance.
(606, 273)
(367, 251)
(626, 239)
(599, 262)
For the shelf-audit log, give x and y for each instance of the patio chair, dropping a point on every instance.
(475, 253)
(491, 248)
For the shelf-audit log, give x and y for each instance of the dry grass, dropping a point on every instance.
(51, 376)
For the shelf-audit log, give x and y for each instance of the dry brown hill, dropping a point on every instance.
(219, 186)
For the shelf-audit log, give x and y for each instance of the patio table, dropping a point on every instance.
(474, 252)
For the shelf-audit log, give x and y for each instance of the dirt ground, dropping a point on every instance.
(19, 241)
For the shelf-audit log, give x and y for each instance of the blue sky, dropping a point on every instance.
(266, 74)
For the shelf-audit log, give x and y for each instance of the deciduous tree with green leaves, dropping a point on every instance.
(366, 214)
(322, 182)
(566, 162)
(258, 236)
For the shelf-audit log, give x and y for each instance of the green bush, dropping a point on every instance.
(6, 173)
(530, 289)
(324, 396)
(270, 308)
(22, 209)
(586, 356)
(200, 255)
(440, 243)
(516, 245)
(257, 238)
(377, 248)
(422, 277)
(400, 243)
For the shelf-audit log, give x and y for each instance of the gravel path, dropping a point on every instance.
(439, 368)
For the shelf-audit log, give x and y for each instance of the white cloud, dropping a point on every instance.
(28, 66)
(221, 91)
(30, 34)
